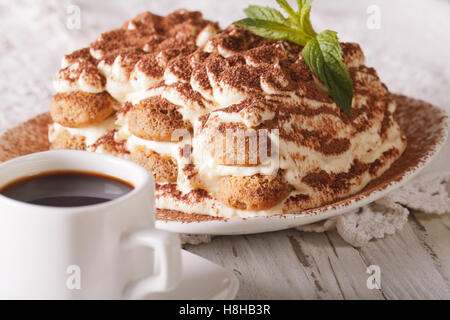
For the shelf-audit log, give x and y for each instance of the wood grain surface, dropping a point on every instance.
(414, 263)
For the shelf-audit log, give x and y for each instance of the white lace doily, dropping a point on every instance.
(36, 34)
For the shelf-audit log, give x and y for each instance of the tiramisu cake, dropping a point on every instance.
(230, 124)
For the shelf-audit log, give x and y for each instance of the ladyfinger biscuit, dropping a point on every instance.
(65, 140)
(156, 119)
(162, 167)
(79, 109)
(257, 192)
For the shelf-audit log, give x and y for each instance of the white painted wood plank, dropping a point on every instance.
(434, 234)
(350, 270)
(265, 271)
(336, 266)
(295, 265)
(407, 269)
(291, 265)
(445, 219)
(295, 251)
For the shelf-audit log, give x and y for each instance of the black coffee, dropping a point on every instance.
(66, 189)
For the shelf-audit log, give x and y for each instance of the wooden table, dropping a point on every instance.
(414, 263)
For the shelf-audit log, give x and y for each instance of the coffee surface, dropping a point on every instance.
(66, 189)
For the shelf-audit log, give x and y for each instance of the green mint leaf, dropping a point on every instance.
(286, 7)
(274, 30)
(323, 54)
(265, 13)
(304, 19)
(303, 3)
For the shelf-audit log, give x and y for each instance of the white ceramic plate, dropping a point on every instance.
(425, 126)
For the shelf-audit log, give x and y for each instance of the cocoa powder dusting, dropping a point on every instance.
(422, 124)
(271, 73)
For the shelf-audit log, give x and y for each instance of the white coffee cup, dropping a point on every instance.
(104, 251)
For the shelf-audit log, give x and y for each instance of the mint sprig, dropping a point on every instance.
(322, 52)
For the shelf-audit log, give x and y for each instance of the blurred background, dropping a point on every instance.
(407, 41)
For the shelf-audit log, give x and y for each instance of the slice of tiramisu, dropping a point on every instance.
(229, 123)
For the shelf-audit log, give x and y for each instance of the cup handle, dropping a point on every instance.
(167, 253)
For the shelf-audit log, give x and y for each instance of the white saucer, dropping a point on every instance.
(201, 280)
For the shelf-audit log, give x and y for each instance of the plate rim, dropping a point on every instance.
(290, 220)
(283, 221)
